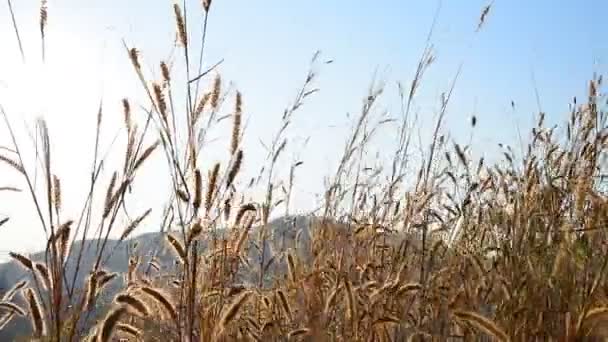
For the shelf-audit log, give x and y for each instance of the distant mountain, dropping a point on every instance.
(283, 232)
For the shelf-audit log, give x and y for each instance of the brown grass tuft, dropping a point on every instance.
(23, 260)
(483, 324)
(182, 195)
(590, 318)
(178, 247)
(145, 155)
(109, 193)
(91, 293)
(161, 103)
(37, 319)
(13, 290)
(12, 307)
(109, 323)
(227, 209)
(206, 5)
(234, 170)
(43, 272)
(198, 189)
(284, 303)
(129, 330)
(164, 69)
(200, 107)
(241, 213)
(298, 332)
(63, 234)
(131, 227)
(195, 230)
(134, 57)
(351, 302)
(232, 311)
(162, 299)
(213, 175)
(236, 124)
(291, 267)
(133, 303)
(329, 302)
(181, 25)
(115, 197)
(242, 237)
(216, 92)
(106, 279)
(526, 251)
(13, 164)
(126, 109)
(57, 193)
(408, 288)
(44, 16)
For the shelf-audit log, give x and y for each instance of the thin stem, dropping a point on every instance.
(15, 27)
(200, 57)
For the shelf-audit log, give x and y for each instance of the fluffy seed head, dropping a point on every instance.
(36, 316)
(43, 272)
(23, 260)
(227, 207)
(162, 299)
(234, 170)
(298, 332)
(206, 5)
(12, 307)
(232, 311)
(160, 101)
(13, 164)
(242, 210)
(11, 293)
(215, 94)
(133, 303)
(482, 324)
(181, 25)
(109, 323)
(165, 71)
(106, 279)
(57, 192)
(134, 57)
(91, 294)
(213, 175)
(131, 227)
(147, 152)
(198, 189)
(291, 267)
(284, 303)
(195, 230)
(129, 329)
(236, 125)
(126, 109)
(200, 107)
(178, 247)
(109, 192)
(43, 17)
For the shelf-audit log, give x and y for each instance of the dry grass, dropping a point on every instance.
(460, 251)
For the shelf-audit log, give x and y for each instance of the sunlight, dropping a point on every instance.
(65, 90)
(74, 76)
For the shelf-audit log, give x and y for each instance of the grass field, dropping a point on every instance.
(461, 250)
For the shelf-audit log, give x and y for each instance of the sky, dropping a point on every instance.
(549, 48)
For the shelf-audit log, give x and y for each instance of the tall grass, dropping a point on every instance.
(511, 251)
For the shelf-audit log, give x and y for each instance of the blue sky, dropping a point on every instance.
(267, 45)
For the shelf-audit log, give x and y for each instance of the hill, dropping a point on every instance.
(148, 246)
